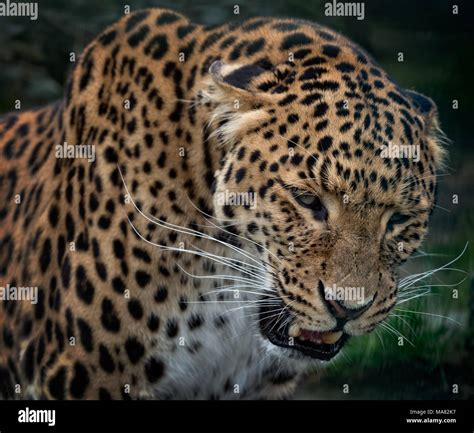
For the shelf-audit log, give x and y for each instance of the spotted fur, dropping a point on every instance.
(177, 114)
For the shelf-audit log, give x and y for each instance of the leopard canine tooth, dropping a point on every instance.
(294, 330)
(330, 337)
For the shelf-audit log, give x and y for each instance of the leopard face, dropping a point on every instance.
(334, 214)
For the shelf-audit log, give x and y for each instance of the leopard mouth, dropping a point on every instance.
(315, 344)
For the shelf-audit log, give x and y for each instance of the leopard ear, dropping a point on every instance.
(424, 105)
(238, 77)
(238, 103)
(251, 82)
(428, 112)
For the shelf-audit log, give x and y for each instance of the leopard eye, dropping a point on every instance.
(311, 201)
(396, 219)
(307, 200)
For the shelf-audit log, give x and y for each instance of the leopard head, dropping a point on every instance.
(335, 167)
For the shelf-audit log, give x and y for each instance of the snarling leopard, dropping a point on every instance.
(207, 212)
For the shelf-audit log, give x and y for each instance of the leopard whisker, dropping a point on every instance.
(404, 282)
(166, 248)
(395, 331)
(424, 254)
(401, 317)
(409, 293)
(380, 338)
(206, 216)
(185, 230)
(417, 277)
(250, 315)
(424, 313)
(412, 289)
(206, 255)
(420, 295)
(231, 260)
(219, 277)
(247, 292)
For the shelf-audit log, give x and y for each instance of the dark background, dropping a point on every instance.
(438, 61)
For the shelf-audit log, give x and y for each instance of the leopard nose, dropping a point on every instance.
(341, 312)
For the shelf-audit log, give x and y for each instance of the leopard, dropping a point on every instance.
(189, 217)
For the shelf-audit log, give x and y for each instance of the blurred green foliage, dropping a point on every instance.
(438, 61)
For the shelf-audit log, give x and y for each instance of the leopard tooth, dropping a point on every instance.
(331, 337)
(294, 330)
